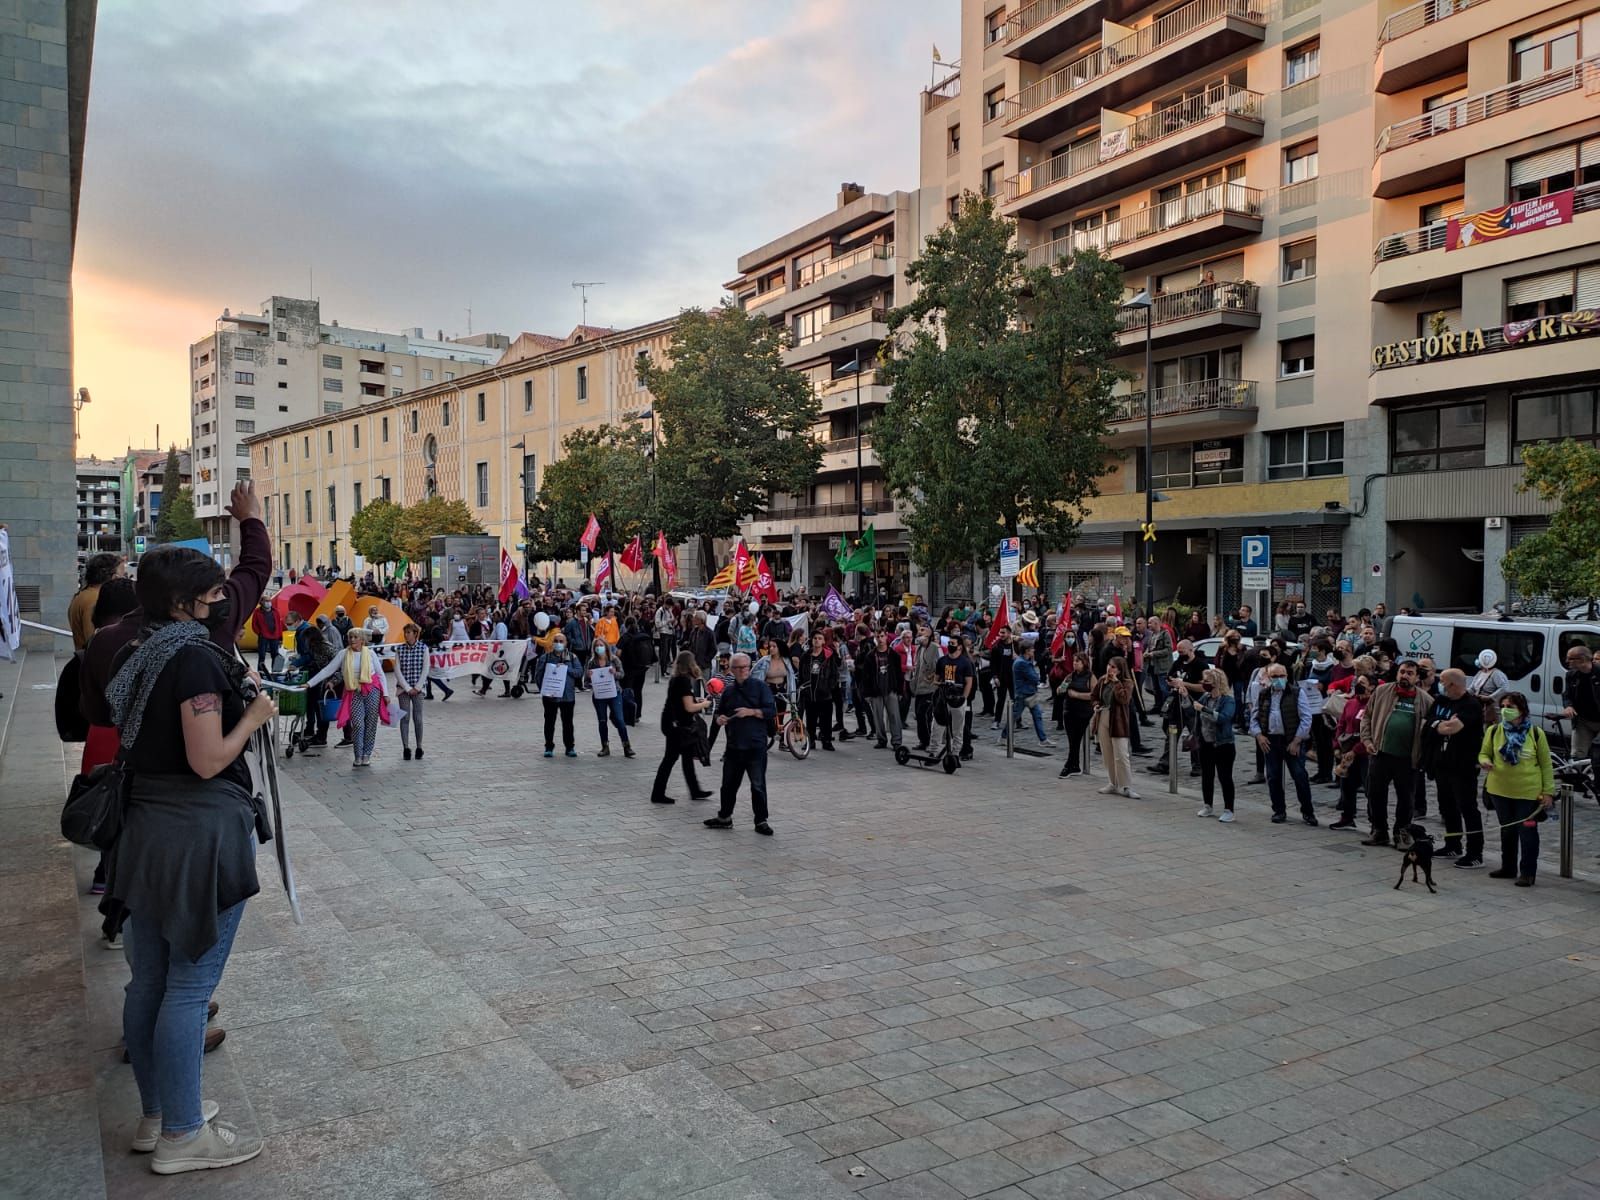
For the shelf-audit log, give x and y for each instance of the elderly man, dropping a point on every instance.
(1391, 730)
(1582, 695)
(376, 625)
(1456, 722)
(745, 709)
(1281, 723)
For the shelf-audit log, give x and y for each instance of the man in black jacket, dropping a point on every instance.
(1453, 731)
(880, 677)
(637, 652)
(745, 709)
(819, 677)
(1582, 696)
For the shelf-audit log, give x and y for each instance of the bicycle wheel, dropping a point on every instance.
(797, 741)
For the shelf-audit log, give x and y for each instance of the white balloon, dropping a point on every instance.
(754, 607)
(541, 621)
(994, 590)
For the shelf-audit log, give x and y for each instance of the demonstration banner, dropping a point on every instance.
(497, 660)
(1524, 216)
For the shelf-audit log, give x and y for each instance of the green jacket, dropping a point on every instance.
(1532, 777)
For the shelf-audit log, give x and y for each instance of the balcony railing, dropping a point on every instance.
(846, 509)
(760, 298)
(947, 88)
(1205, 395)
(847, 443)
(1031, 16)
(821, 270)
(1219, 97)
(1419, 16)
(863, 316)
(1490, 104)
(1097, 63)
(1227, 295)
(1167, 215)
(847, 383)
(1432, 237)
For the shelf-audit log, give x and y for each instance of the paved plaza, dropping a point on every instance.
(517, 978)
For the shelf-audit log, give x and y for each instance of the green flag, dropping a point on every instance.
(401, 568)
(863, 557)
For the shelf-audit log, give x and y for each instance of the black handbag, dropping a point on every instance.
(96, 803)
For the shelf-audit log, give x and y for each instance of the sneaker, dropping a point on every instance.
(1067, 773)
(571, 753)
(216, 1145)
(1225, 817)
(718, 822)
(1344, 824)
(764, 829)
(880, 744)
(1502, 873)
(1110, 789)
(1141, 751)
(1377, 839)
(1525, 881)
(701, 795)
(1205, 811)
(97, 888)
(1309, 820)
(1047, 744)
(149, 1129)
(1446, 851)
(549, 753)
(1469, 862)
(1130, 793)
(605, 752)
(114, 942)
(1279, 818)
(406, 754)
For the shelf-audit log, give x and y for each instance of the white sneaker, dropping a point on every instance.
(1110, 789)
(144, 1137)
(1226, 817)
(1130, 793)
(1205, 811)
(216, 1145)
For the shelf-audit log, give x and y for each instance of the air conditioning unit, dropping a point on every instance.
(1494, 522)
(1197, 546)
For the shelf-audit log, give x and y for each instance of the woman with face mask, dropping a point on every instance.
(558, 705)
(1351, 770)
(1215, 712)
(1113, 714)
(600, 659)
(1521, 784)
(362, 703)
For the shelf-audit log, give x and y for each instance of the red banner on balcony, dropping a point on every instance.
(1542, 212)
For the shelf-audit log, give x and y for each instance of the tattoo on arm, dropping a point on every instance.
(205, 702)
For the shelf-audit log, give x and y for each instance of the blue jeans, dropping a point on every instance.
(1032, 704)
(164, 1016)
(610, 708)
(1277, 755)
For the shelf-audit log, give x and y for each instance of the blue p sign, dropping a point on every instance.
(1256, 551)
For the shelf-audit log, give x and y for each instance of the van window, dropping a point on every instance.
(1578, 637)
(1520, 651)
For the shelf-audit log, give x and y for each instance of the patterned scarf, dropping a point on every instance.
(128, 693)
(1513, 737)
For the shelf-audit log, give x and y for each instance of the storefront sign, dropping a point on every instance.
(1224, 453)
(1452, 344)
(1541, 212)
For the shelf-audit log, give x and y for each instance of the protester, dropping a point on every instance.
(268, 628)
(1455, 733)
(881, 676)
(1077, 690)
(1520, 784)
(1391, 729)
(681, 724)
(1025, 687)
(411, 675)
(744, 709)
(362, 701)
(819, 678)
(1214, 711)
(1113, 715)
(600, 658)
(96, 571)
(1281, 724)
(570, 667)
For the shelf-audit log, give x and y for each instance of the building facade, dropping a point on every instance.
(830, 284)
(143, 478)
(484, 437)
(99, 507)
(261, 371)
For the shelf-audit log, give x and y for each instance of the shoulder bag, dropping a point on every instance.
(96, 803)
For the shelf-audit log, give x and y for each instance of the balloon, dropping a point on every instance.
(541, 621)
(994, 590)
(753, 608)
(714, 686)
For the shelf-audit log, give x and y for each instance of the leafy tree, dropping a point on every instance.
(428, 519)
(735, 424)
(171, 483)
(178, 522)
(1001, 378)
(1563, 562)
(604, 471)
(374, 529)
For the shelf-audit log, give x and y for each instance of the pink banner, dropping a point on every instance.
(1541, 212)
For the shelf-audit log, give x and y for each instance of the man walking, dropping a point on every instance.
(1456, 721)
(268, 629)
(1281, 724)
(745, 710)
(1025, 687)
(1391, 730)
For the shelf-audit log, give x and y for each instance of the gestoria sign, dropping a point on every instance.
(1450, 344)
(1541, 212)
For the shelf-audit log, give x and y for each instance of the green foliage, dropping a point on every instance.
(373, 531)
(178, 522)
(604, 471)
(1002, 380)
(735, 424)
(428, 519)
(1563, 562)
(171, 485)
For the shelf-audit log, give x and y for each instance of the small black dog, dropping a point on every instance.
(1418, 854)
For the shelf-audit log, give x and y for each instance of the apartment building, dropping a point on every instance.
(1484, 275)
(1219, 151)
(483, 437)
(143, 478)
(831, 283)
(260, 371)
(99, 501)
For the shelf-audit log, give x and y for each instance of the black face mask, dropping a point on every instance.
(217, 613)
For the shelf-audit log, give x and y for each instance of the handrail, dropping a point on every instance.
(1488, 104)
(1419, 16)
(1158, 218)
(1204, 395)
(1220, 97)
(1152, 37)
(847, 443)
(862, 316)
(1224, 295)
(812, 272)
(1033, 15)
(947, 88)
(1585, 198)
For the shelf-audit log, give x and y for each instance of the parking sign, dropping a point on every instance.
(1010, 557)
(138, 544)
(1255, 556)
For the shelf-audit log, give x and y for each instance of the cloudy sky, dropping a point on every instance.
(421, 157)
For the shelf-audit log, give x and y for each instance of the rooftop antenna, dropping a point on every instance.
(584, 287)
(469, 318)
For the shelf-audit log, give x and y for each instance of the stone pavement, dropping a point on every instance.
(518, 978)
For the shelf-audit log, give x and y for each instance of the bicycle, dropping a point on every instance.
(791, 730)
(1576, 773)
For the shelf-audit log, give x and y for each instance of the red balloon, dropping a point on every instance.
(715, 686)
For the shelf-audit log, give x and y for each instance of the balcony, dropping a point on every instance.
(945, 90)
(840, 454)
(1431, 149)
(864, 269)
(1202, 408)
(1157, 142)
(1198, 34)
(1204, 311)
(823, 518)
(1220, 213)
(1038, 32)
(1413, 262)
(1429, 40)
(842, 333)
(840, 394)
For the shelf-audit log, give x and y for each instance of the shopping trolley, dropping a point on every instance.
(291, 729)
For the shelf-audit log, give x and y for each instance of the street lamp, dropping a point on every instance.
(655, 563)
(854, 367)
(1144, 302)
(527, 507)
(78, 401)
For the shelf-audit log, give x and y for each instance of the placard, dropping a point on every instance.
(602, 682)
(554, 684)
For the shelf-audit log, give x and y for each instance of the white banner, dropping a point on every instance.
(10, 613)
(496, 659)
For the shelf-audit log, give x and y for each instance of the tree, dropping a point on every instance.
(428, 519)
(171, 482)
(604, 471)
(735, 424)
(373, 531)
(1001, 378)
(178, 522)
(1563, 562)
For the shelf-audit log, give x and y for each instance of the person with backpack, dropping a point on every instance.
(1520, 784)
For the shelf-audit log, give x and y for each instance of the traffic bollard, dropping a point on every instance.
(1172, 761)
(1565, 800)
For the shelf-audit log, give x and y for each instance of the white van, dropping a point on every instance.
(1531, 653)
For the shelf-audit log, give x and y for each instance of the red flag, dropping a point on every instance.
(633, 556)
(669, 560)
(1059, 642)
(741, 565)
(591, 534)
(766, 588)
(1002, 618)
(602, 573)
(508, 576)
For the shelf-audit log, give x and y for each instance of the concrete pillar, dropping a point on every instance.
(1496, 542)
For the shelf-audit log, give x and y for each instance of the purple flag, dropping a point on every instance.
(833, 605)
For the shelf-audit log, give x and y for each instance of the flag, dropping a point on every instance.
(669, 560)
(633, 556)
(1002, 618)
(402, 568)
(862, 557)
(591, 534)
(725, 577)
(833, 605)
(509, 577)
(1028, 577)
(602, 573)
(936, 57)
(766, 588)
(1059, 642)
(741, 563)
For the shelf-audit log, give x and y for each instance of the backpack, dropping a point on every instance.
(71, 724)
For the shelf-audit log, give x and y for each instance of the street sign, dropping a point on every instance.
(138, 543)
(1010, 557)
(1347, 584)
(1255, 555)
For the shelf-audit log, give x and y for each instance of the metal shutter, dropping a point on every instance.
(1534, 288)
(1542, 166)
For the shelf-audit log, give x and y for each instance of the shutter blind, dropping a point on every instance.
(1589, 153)
(1588, 293)
(1542, 166)
(1539, 287)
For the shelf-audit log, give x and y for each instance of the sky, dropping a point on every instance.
(410, 160)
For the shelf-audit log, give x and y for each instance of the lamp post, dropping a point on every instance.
(527, 508)
(853, 367)
(1144, 302)
(655, 563)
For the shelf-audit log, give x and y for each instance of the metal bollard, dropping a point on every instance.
(1565, 797)
(1172, 761)
(1005, 715)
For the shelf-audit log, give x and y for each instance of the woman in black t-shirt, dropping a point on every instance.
(685, 701)
(185, 862)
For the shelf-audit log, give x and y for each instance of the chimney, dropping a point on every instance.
(440, 338)
(849, 192)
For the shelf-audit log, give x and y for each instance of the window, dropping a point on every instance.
(583, 383)
(396, 391)
(307, 447)
(1220, 460)
(991, 180)
(952, 143)
(281, 385)
(333, 552)
(240, 450)
(285, 447)
(330, 384)
(244, 401)
(994, 27)
(427, 374)
(1554, 170)
(641, 364)
(333, 362)
(384, 487)
(445, 414)
(309, 517)
(1517, 652)
(808, 325)
(244, 356)
(449, 375)
(283, 408)
(383, 430)
(1302, 62)
(355, 436)
(1553, 416)
(482, 410)
(994, 104)
(355, 496)
(1545, 51)
(283, 362)
(282, 336)
(413, 420)
(527, 395)
(1439, 212)
(331, 406)
(1305, 453)
(1300, 162)
(244, 426)
(530, 489)
(1552, 293)
(266, 512)
(1297, 356)
(330, 441)
(483, 485)
(952, 207)
(1445, 438)
(286, 509)
(1170, 467)
(398, 370)
(333, 507)
(205, 429)
(244, 376)
(1299, 261)
(242, 472)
